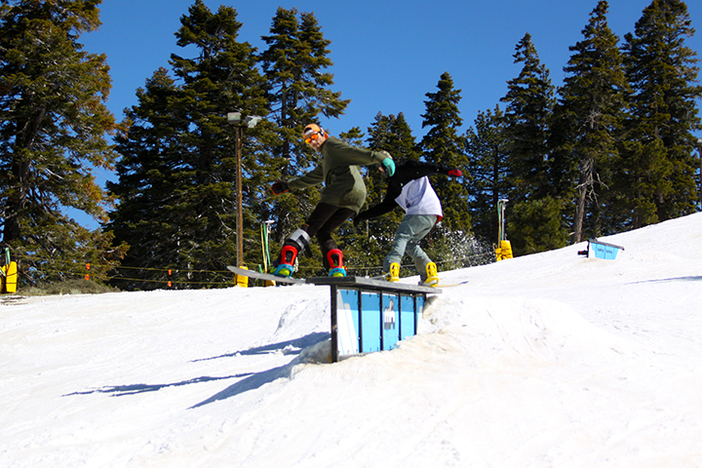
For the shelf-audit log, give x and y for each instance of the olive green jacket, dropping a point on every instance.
(343, 183)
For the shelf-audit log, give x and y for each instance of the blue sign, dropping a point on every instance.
(373, 321)
(603, 250)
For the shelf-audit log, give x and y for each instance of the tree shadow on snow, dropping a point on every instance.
(253, 382)
(317, 350)
(121, 390)
(310, 344)
(666, 280)
(287, 347)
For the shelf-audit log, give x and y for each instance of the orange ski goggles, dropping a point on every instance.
(309, 139)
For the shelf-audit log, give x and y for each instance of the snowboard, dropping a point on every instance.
(265, 276)
(450, 285)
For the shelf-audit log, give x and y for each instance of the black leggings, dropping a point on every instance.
(324, 220)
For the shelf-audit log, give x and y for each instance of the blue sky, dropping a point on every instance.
(387, 54)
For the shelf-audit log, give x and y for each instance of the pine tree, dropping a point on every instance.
(536, 226)
(176, 184)
(370, 242)
(589, 119)
(53, 129)
(392, 134)
(148, 181)
(298, 92)
(657, 166)
(530, 101)
(443, 145)
(487, 150)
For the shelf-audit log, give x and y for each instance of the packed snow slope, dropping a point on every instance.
(548, 360)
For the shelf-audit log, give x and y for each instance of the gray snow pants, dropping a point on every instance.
(411, 231)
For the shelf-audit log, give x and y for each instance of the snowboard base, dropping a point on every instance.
(264, 276)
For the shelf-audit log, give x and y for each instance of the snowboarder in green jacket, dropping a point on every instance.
(342, 197)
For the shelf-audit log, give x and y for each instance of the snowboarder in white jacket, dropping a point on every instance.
(410, 189)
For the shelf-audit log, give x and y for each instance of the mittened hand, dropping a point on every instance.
(389, 166)
(279, 187)
(455, 173)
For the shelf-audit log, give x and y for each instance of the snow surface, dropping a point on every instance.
(548, 360)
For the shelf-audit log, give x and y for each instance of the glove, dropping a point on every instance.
(279, 187)
(455, 173)
(389, 166)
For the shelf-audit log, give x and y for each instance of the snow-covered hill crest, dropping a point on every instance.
(545, 360)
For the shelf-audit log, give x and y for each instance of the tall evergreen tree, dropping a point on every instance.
(658, 167)
(369, 244)
(294, 65)
(535, 226)
(589, 119)
(487, 150)
(53, 129)
(176, 184)
(442, 144)
(529, 106)
(392, 134)
(353, 137)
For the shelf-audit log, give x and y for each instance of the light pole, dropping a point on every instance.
(234, 118)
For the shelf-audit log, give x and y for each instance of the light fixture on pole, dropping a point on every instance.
(234, 118)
